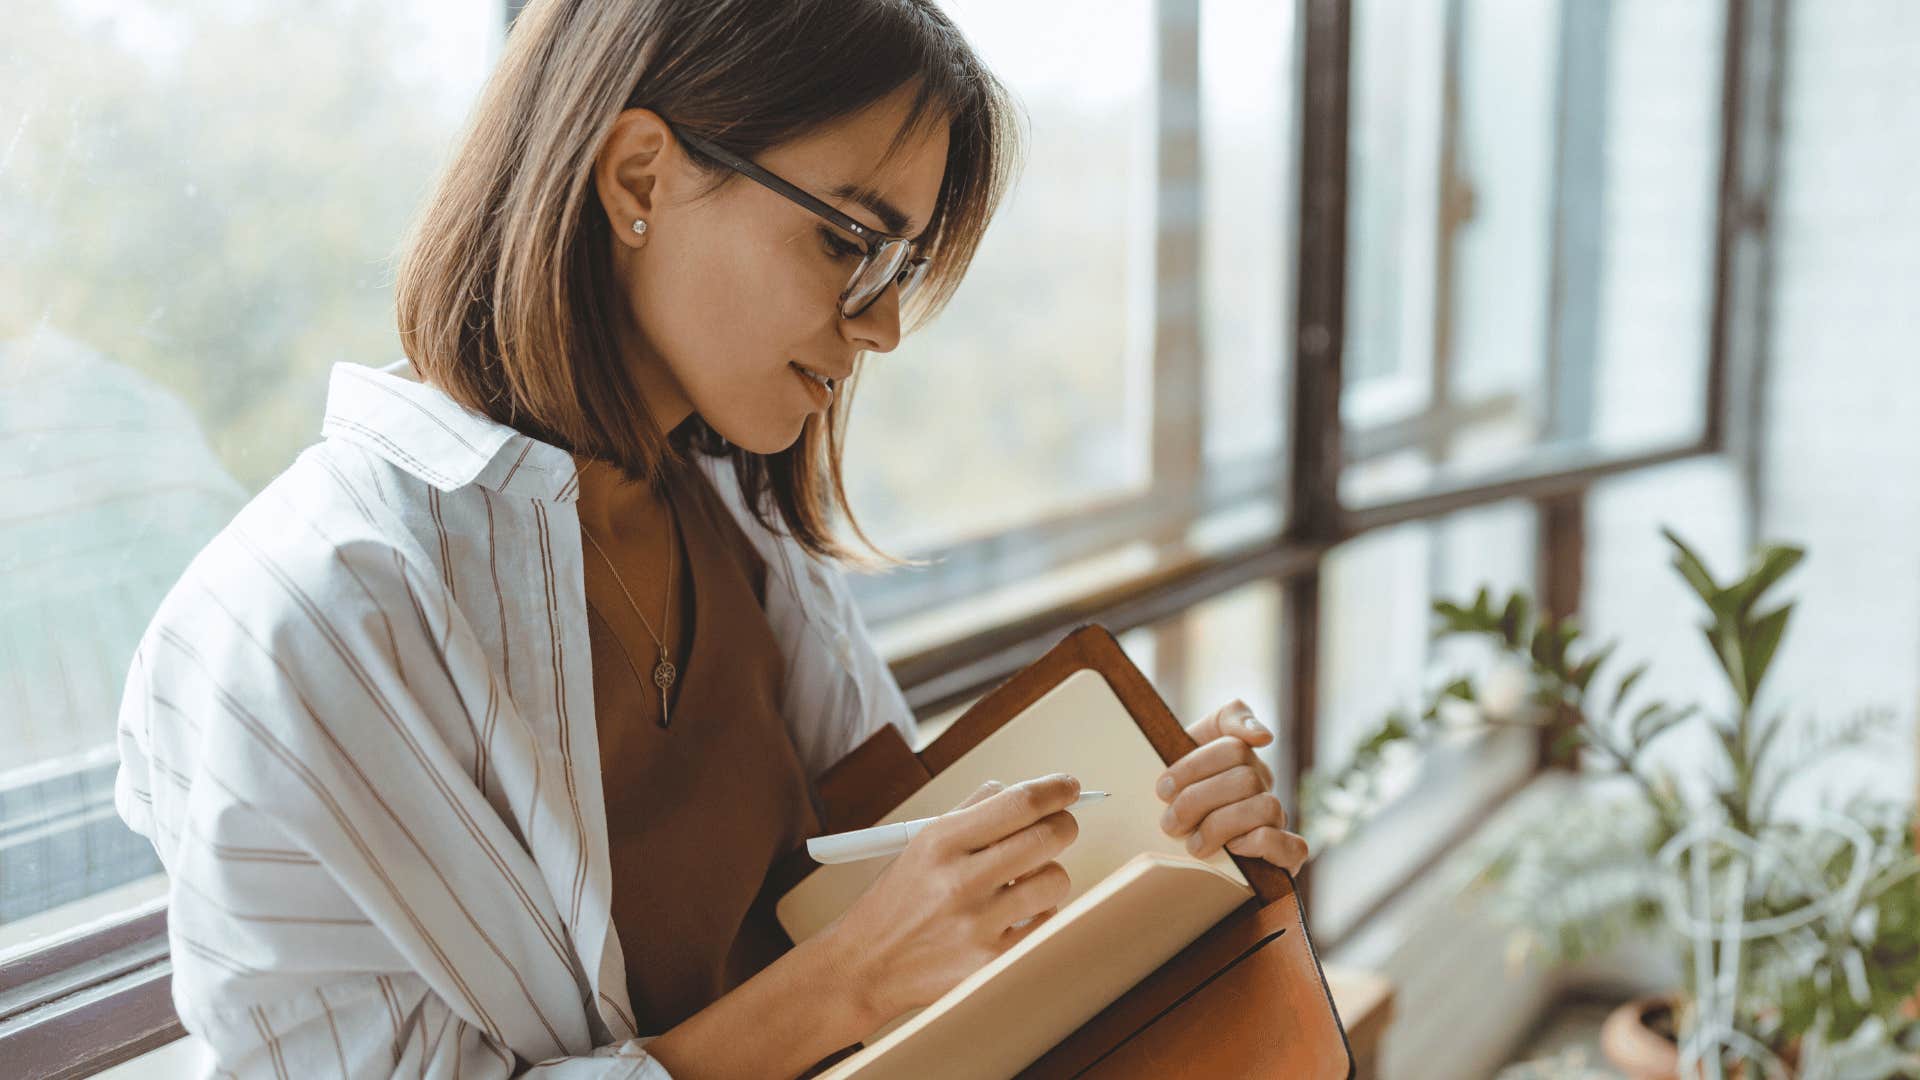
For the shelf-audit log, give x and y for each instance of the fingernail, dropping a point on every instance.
(1164, 788)
(993, 785)
(1194, 843)
(1166, 821)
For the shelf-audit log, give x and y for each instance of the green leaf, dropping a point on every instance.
(1542, 649)
(1583, 673)
(1726, 651)
(1453, 618)
(1764, 640)
(1641, 719)
(1693, 570)
(1773, 563)
(1626, 685)
(1459, 688)
(1513, 620)
(1661, 726)
(1394, 728)
(1565, 744)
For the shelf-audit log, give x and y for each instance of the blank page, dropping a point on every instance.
(1078, 727)
(1022, 1003)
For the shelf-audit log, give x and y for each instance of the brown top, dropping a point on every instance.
(699, 810)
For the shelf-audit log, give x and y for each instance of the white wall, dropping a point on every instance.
(1842, 437)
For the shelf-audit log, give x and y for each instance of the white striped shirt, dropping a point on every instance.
(360, 733)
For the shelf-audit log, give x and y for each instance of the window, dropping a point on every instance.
(1024, 399)
(1531, 232)
(196, 204)
(1376, 655)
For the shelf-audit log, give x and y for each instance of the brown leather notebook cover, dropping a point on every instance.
(1245, 999)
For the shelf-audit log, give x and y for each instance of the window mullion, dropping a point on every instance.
(1178, 361)
(1315, 517)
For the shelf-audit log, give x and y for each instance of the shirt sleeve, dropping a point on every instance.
(383, 1026)
(279, 756)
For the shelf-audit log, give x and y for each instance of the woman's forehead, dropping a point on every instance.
(846, 162)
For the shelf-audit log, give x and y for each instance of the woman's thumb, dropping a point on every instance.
(983, 791)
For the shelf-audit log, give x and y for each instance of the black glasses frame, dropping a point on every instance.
(872, 241)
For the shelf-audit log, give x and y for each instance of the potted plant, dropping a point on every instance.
(1805, 925)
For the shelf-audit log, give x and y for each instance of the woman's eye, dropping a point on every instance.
(837, 247)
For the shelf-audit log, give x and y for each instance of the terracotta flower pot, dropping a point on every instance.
(1637, 1039)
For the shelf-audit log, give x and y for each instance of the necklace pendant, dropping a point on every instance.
(663, 676)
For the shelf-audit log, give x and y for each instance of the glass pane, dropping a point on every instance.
(1247, 141)
(1376, 655)
(1023, 399)
(1531, 231)
(989, 601)
(1220, 649)
(1849, 647)
(196, 205)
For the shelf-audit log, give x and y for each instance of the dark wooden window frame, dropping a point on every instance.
(91, 1001)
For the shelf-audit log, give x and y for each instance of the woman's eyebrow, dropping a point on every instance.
(890, 216)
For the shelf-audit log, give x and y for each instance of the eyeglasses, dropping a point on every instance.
(887, 259)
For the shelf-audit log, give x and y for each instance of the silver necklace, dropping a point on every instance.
(663, 672)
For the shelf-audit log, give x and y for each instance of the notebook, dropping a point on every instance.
(1137, 898)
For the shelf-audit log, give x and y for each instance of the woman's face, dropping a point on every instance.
(722, 296)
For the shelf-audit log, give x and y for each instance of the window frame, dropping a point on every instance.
(102, 995)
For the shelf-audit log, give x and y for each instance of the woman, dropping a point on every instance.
(468, 744)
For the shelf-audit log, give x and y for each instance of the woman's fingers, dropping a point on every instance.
(1235, 718)
(1210, 759)
(1044, 889)
(1277, 846)
(1014, 934)
(1201, 798)
(982, 825)
(1021, 853)
(1233, 820)
(983, 791)
(1210, 792)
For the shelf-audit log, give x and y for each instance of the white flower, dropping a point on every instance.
(1342, 801)
(1504, 690)
(1330, 829)
(1460, 721)
(1399, 768)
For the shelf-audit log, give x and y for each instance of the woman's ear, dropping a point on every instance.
(627, 173)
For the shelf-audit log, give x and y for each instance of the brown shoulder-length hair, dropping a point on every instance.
(505, 281)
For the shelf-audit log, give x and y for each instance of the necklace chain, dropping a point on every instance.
(663, 671)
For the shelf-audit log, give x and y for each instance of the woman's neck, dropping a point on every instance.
(616, 509)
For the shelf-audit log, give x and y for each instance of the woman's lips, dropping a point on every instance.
(820, 395)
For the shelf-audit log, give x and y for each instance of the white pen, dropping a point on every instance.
(889, 839)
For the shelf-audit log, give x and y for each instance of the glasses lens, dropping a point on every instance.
(876, 274)
(911, 275)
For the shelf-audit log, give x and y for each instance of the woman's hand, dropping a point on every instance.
(948, 903)
(1221, 794)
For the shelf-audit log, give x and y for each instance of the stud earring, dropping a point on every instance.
(640, 226)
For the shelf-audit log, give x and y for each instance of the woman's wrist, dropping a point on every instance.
(804, 1006)
(845, 963)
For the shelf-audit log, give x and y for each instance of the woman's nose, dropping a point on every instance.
(877, 329)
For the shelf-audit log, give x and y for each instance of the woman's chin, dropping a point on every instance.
(764, 438)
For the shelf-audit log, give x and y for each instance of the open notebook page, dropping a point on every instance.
(1023, 1002)
(1078, 727)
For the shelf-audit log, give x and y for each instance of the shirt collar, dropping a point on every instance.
(420, 429)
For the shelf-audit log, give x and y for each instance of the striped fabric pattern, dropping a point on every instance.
(359, 732)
